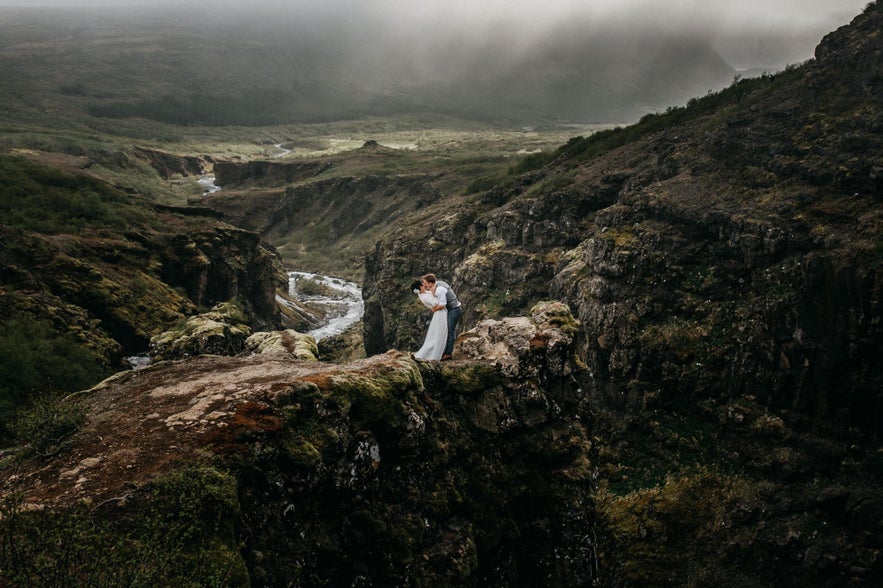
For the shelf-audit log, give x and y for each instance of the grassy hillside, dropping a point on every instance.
(89, 273)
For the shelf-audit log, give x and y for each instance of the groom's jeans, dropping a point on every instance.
(454, 315)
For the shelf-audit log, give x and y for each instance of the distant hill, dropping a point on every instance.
(187, 71)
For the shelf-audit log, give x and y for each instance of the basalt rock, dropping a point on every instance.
(298, 345)
(723, 262)
(224, 263)
(384, 471)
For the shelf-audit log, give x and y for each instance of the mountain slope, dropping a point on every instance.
(724, 261)
(771, 186)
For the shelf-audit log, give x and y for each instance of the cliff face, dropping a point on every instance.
(116, 287)
(724, 263)
(229, 173)
(282, 472)
(168, 165)
(733, 251)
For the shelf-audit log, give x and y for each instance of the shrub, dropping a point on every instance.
(47, 423)
(39, 198)
(533, 161)
(481, 184)
(177, 532)
(36, 361)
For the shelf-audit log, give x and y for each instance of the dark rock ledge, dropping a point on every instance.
(368, 473)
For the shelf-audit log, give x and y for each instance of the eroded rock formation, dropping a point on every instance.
(731, 251)
(377, 472)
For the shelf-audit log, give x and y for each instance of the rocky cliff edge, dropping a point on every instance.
(381, 469)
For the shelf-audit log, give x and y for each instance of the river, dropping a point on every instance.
(208, 184)
(341, 300)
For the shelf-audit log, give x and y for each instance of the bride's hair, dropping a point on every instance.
(415, 286)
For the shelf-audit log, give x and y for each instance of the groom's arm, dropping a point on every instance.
(442, 294)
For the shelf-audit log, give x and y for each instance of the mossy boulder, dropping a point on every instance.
(525, 345)
(221, 331)
(297, 345)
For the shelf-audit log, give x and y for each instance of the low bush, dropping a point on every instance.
(47, 423)
(37, 364)
(176, 532)
(42, 199)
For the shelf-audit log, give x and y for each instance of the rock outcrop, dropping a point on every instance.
(723, 261)
(222, 331)
(384, 471)
(725, 248)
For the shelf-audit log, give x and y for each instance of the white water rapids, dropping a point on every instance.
(342, 302)
(208, 184)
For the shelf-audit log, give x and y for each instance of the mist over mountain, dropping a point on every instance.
(567, 75)
(268, 64)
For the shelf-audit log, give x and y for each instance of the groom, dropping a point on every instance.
(446, 299)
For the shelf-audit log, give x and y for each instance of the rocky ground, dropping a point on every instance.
(376, 471)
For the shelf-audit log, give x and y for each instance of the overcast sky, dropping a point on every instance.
(761, 33)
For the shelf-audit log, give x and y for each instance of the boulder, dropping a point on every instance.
(222, 331)
(297, 345)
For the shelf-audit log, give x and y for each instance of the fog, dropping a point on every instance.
(576, 60)
(747, 33)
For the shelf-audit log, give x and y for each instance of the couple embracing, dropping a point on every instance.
(446, 312)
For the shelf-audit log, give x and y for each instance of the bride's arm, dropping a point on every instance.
(428, 300)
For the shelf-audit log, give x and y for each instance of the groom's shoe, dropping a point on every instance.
(446, 357)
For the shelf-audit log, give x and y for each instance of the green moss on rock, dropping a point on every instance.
(470, 379)
(298, 345)
(221, 331)
(380, 395)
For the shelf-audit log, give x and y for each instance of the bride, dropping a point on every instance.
(437, 335)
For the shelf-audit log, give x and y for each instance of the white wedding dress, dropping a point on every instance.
(437, 335)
